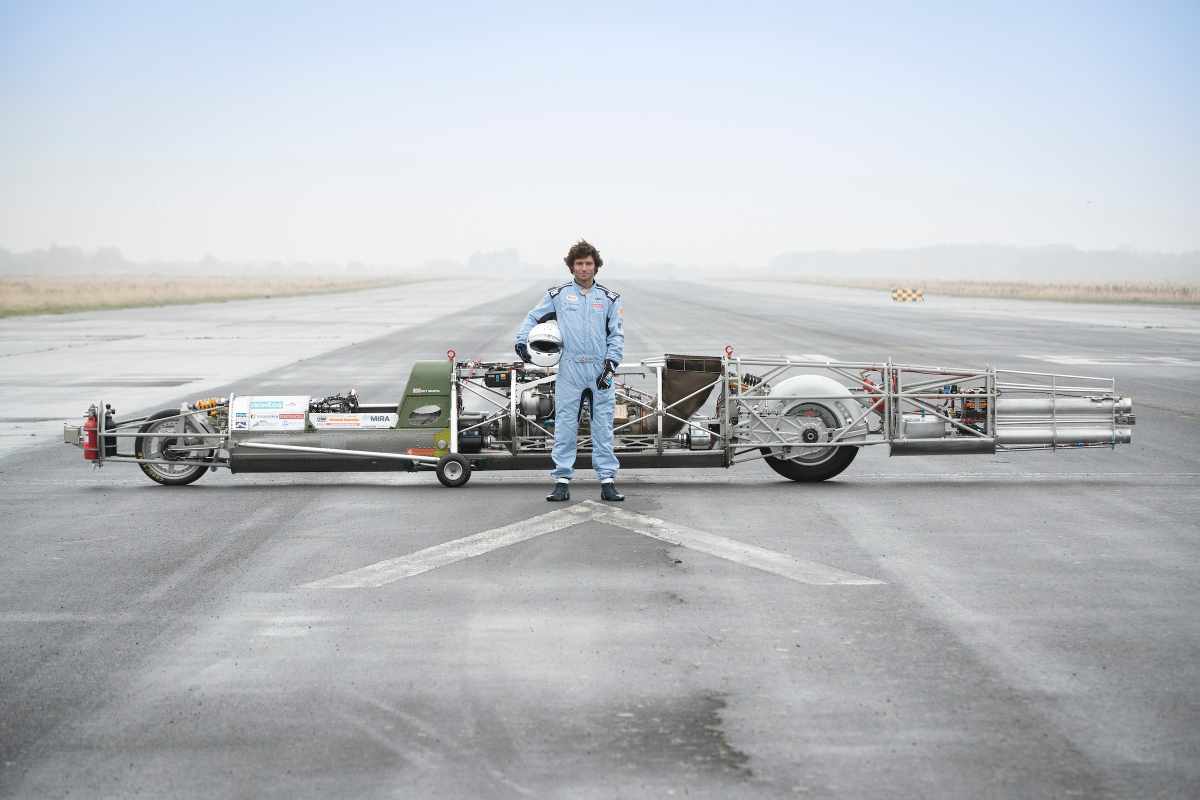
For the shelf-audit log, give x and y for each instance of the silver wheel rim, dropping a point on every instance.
(826, 421)
(173, 439)
(452, 470)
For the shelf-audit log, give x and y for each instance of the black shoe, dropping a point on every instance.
(562, 491)
(608, 491)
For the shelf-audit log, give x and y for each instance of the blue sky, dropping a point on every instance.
(709, 134)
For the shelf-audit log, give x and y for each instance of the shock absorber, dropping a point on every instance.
(749, 381)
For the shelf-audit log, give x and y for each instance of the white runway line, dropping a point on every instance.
(1114, 361)
(811, 572)
(382, 573)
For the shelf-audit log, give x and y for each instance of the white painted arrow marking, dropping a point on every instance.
(384, 572)
(748, 555)
(393, 569)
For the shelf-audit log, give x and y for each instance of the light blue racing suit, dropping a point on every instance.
(592, 331)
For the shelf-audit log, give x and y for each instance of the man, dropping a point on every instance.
(590, 320)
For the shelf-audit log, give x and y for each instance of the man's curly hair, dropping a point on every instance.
(583, 249)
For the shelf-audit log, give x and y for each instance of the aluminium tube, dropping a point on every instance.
(1062, 435)
(1064, 406)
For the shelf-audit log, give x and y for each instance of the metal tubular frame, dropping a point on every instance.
(749, 418)
(749, 422)
(184, 415)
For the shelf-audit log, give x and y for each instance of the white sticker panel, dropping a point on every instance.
(268, 413)
(354, 421)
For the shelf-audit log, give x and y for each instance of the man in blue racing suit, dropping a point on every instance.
(593, 342)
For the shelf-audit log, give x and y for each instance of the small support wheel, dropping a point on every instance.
(453, 471)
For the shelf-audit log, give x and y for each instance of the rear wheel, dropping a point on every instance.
(815, 423)
(810, 473)
(170, 444)
(453, 471)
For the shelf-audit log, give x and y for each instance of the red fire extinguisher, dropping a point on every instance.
(90, 439)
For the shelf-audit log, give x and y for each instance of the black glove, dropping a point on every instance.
(605, 379)
(523, 351)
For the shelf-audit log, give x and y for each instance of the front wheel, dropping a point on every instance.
(811, 473)
(453, 471)
(169, 445)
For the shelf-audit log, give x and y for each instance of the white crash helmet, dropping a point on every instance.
(545, 344)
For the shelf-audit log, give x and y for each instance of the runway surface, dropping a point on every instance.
(1012, 625)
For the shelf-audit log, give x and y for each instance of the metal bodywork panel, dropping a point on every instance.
(246, 460)
(426, 401)
(399, 441)
(648, 460)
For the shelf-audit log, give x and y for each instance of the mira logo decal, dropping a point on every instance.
(266, 404)
(423, 390)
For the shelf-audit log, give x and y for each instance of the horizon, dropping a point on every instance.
(982, 262)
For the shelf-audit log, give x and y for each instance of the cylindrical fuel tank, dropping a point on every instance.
(960, 445)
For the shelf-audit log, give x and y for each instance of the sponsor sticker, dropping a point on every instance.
(598, 306)
(353, 421)
(572, 298)
(278, 413)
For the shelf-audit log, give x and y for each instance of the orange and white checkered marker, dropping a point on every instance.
(902, 295)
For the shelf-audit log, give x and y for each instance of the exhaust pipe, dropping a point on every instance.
(1061, 435)
(1063, 406)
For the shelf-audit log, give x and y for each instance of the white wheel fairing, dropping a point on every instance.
(818, 409)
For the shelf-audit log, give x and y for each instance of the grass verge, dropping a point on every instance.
(34, 295)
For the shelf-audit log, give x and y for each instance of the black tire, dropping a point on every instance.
(811, 473)
(453, 471)
(812, 465)
(151, 447)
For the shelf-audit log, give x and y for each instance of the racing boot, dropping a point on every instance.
(608, 491)
(562, 491)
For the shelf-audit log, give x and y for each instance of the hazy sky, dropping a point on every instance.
(394, 134)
